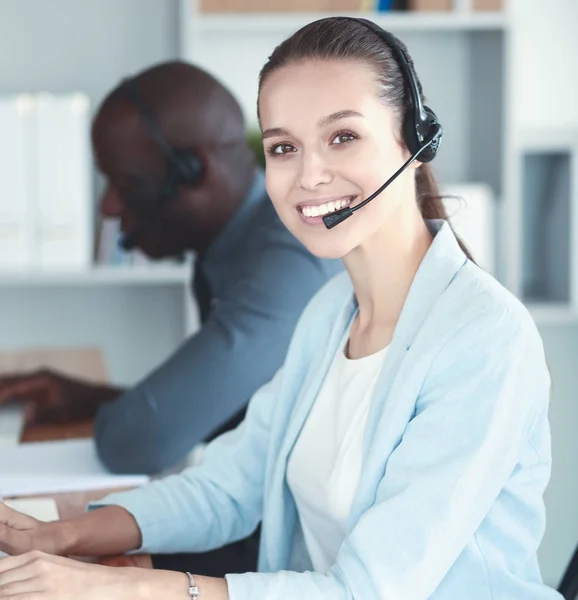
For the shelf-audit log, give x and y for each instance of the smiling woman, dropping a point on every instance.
(372, 74)
(403, 449)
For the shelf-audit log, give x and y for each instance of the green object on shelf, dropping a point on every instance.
(256, 144)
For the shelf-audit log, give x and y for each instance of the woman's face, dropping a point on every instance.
(330, 142)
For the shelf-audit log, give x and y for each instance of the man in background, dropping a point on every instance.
(172, 145)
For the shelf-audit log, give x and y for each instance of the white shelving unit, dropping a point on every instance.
(137, 315)
(402, 21)
(474, 67)
(540, 233)
(100, 276)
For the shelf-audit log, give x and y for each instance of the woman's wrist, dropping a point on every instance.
(169, 585)
(172, 585)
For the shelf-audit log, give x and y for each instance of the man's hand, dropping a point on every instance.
(54, 398)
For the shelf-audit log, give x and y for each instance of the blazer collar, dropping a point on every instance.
(438, 268)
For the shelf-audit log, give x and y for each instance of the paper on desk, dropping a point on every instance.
(84, 362)
(11, 423)
(43, 509)
(53, 467)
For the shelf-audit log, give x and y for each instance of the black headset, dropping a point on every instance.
(420, 124)
(422, 131)
(183, 167)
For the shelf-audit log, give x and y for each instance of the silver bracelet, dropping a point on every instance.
(193, 589)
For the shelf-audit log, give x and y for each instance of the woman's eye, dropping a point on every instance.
(281, 149)
(343, 138)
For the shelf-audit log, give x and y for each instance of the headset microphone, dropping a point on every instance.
(332, 219)
(129, 241)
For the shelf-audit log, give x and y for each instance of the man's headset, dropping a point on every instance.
(422, 131)
(182, 167)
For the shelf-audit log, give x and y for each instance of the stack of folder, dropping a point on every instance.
(46, 203)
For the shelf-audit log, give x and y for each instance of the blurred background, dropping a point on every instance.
(500, 74)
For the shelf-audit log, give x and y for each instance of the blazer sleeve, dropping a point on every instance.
(215, 503)
(479, 400)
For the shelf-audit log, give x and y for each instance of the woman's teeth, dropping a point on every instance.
(323, 209)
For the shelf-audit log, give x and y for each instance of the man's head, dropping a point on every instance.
(201, 121)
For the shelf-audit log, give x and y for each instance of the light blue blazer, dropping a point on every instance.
(456, 455)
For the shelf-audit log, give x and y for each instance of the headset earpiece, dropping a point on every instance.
(188, 166)
(418, 131)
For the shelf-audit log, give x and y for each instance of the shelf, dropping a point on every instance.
(551, 313)
(100, 275)
(546, 139)
(403, 21)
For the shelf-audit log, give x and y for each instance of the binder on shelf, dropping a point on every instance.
(17, 170)
(384, 5)
(430, 5)
(64, 203)
(487, 5)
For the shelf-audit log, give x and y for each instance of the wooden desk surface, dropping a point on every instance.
(44, 433)
(73, 504)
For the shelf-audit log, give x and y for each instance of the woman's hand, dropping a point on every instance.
(39, 576)
(20, 533)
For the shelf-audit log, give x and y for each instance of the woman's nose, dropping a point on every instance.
(314, 171)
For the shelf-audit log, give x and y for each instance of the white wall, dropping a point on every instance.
(65, 44)
(561, 343)
(547, 90)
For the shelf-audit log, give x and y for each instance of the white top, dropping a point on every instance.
(324, 468)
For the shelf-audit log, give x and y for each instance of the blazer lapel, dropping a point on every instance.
(316, 376)
(386, 416)
(278, 554)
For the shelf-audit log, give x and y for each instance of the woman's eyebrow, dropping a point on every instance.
(274, 132)
(327, 120)
(341, 114)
